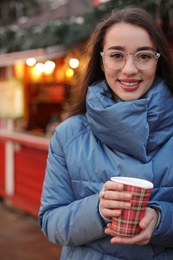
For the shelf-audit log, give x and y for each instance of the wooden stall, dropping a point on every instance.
(22, 169)
(2, 168)
(34, 87)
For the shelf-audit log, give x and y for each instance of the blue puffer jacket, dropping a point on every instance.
(113, 139)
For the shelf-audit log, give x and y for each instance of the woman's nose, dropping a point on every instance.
(129, 66)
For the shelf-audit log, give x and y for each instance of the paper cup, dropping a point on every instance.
(127, 224)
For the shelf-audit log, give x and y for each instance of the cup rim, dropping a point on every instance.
(137, 182)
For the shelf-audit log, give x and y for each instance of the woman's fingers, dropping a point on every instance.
(113, 199)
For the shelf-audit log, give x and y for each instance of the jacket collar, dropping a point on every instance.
(137, 128)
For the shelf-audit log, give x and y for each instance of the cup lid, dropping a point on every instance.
(134, 181)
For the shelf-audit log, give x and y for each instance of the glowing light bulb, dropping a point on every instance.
(39, 68)
(31, 62)
(69, 73)
(49, 67)
(74, 63)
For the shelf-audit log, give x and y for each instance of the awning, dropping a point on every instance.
(9, 59)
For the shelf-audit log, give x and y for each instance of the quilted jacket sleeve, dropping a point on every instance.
(162, 198)
(163, 234)
(63, 219)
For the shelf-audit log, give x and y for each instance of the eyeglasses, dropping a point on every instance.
(143, 60)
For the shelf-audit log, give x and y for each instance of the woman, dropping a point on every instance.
(121, 124)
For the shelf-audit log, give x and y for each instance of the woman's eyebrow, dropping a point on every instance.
(146, 48)
(122, 48)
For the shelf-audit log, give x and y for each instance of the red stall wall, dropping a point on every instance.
(29, 171)
(2, 168)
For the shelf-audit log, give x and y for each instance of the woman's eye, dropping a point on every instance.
(117, 55)
(143, 56)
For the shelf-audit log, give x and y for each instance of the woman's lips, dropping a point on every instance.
(129, 85)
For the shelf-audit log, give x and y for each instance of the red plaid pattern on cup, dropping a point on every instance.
(128, 223)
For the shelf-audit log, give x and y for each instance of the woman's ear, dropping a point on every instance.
(102, 68)
(101, 64)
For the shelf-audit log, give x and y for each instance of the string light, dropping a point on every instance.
(31, 62)
(74, 63)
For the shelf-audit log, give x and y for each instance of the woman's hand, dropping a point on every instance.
(147, 225)
(113, 200)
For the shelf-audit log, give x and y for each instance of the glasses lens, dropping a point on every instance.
(115, 60)
(145, 60)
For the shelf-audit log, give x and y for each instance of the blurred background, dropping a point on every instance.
(41, 44)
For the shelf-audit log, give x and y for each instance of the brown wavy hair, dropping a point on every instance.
(93, 72)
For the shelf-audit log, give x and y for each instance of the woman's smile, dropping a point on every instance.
(129, 85)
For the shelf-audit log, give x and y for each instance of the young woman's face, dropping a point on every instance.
(129, 82)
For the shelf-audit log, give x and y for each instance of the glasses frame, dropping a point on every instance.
(156, 54)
